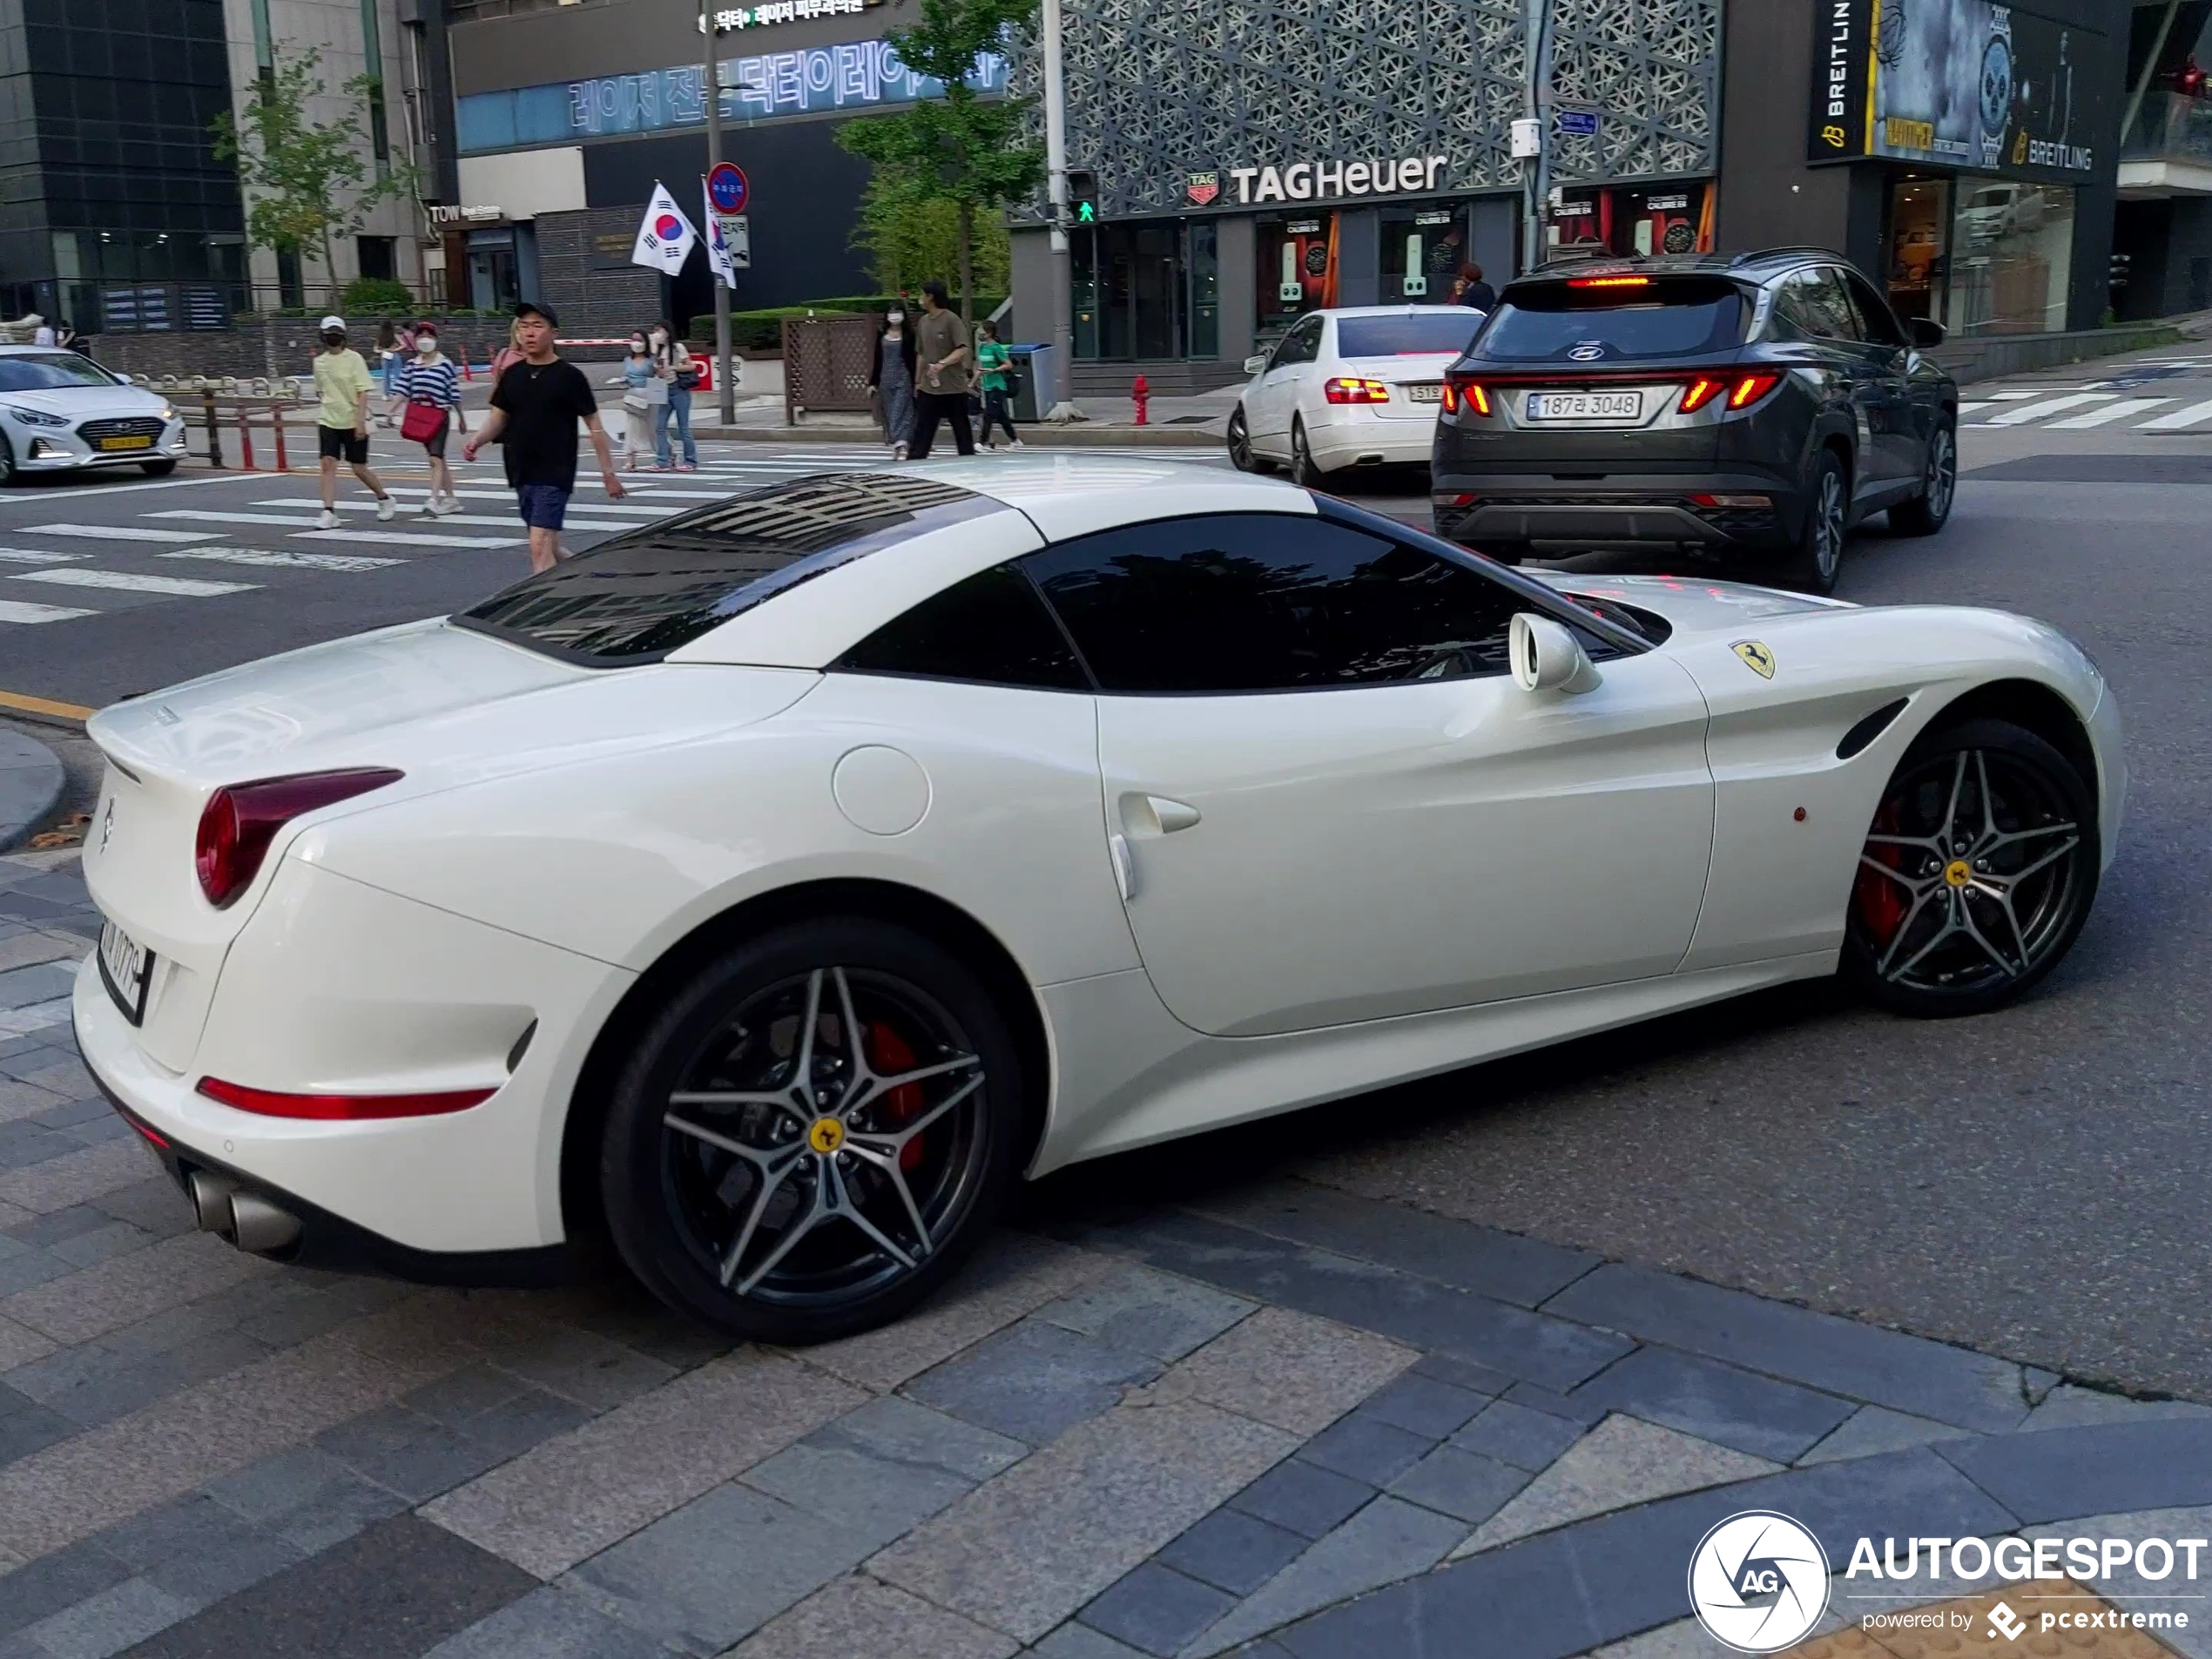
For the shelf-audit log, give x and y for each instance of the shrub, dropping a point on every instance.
(375, 294)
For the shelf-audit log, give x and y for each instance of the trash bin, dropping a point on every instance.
(1039, 381)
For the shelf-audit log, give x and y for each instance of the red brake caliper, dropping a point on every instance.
(1880, 900)
(889, 1054)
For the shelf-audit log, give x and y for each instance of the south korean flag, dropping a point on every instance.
(665, 240)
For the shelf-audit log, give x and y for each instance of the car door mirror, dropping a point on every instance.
(1924, 331)
(1548, 657)
(1256, 364)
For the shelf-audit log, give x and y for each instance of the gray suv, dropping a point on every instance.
(1746, 410)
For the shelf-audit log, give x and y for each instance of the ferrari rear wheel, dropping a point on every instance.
(1977, 873)
(814, 1133)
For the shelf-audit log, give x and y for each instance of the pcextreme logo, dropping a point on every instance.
(1758, 1581)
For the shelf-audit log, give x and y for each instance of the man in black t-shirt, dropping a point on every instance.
(533, 411)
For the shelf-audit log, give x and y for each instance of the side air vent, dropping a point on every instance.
(1869, 729)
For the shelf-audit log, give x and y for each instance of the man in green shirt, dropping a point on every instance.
(343, 383)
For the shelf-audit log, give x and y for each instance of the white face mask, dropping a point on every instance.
(427, 344)
(659, 338)
(636, 348)
(896, 317)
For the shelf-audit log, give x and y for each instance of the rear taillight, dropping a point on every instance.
(1349, 390)
(270, 1103)
(1741, 391)
(240, 821)
(1469, 394)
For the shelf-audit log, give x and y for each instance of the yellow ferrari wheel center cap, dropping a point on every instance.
(825, 1135)
(1958, 872)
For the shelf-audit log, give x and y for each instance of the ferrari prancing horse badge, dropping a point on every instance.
(1755, 657)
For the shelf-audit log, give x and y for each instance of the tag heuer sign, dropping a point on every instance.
(1202, 187)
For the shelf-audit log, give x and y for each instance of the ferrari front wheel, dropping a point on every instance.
(1976, 875)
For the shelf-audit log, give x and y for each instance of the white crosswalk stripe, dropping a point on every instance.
(1969, 408)
(304, 518)
(508, 520)
(117, 533)
(37, 555)
(408, 538)
(2028, 412)
(2195, 415)
(77, 576)
(282, 558)
(21, 610)
(2111, 412)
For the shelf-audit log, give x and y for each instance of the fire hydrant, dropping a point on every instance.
(1141, 394)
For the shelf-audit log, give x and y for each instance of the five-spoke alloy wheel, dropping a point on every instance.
(814, 1133)
(1977, 875)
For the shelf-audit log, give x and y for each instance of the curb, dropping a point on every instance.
(1090, 436)
(30, 782)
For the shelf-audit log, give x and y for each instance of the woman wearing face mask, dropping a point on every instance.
(430, 386)
(641, 390)
(678, 374)
(891, 380)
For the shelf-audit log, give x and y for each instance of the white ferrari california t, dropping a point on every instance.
(772, 887)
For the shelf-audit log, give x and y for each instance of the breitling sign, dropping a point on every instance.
(1307, 181)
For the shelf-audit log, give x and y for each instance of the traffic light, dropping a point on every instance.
(2117, 276)
(1082, 195)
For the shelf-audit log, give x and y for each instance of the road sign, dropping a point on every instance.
(727, 188)
(1580, 123)
(736, 236)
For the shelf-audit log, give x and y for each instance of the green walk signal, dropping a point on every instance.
(1085, 213)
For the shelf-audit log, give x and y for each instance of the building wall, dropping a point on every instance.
(599, 294)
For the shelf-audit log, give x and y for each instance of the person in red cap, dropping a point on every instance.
(534, 409)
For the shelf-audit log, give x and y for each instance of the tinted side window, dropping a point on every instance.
(991, 628)
(1256, 602)
(1821, 300)
(1876, 320)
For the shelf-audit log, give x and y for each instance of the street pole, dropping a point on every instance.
(1536, 102)
(725, 383)
(1055, 161)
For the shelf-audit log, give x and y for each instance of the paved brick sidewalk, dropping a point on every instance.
(1313, 1424)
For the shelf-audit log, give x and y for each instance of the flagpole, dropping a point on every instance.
(724, 382)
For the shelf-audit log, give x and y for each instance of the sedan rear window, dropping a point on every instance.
(641, 595)
(23, 372)
(1557, 323)
(1440, 330)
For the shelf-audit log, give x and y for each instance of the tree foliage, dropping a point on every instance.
(960, 150)
(307, 181)
(910, 236)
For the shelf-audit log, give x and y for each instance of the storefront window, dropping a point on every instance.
(2012, 247)
(1298, 269)
(1422, 251)
(1647, 223)
(1205, 287)
(1917, 259)
(1146, 289)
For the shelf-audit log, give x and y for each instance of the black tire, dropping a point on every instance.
(1242, 456)
(751, 1241)
(1927, 512)
(160, 468)
(1815, 562)
(7, 474)
(1304, 473)
(1978, 873)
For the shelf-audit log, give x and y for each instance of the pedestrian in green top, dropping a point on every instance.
(996, 364)
(343, 383)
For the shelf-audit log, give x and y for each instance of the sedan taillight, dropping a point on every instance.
(1348, 389)
(240, 821)
(1741, 391)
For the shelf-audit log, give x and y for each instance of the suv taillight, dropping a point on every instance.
(240, 821)
(1347, 389)
(1468, 394)
(1741, 391)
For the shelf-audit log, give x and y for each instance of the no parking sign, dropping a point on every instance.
(727, 187)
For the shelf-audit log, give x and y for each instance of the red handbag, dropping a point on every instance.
(420, 423)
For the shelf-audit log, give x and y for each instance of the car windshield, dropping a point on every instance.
(639, 595)
(48, 372)
(1642, 317)
(1442, 329)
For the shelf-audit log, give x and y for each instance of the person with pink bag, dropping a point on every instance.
(430, 386)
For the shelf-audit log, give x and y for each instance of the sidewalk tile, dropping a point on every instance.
(588, 1369)
(119, 1385)
(206, 1576)
(76, 1177)
(874, 1500)
(1876, 1428)
(95, 1300)
(1292, 1369)
(1367, 1449)
(549, 1623)
(1718, 1402)
(1022, 1552)
(1234, 1551)
(1432, 1408)
(1621, 1462)
(1840, 1356)
(1527, 1440)
(26, 1427)
(1081, 1641)
(41, 1587)
(1033, 1381)
(856, 1617)
(1139, 1308)
(573, 1496)
(1303, 1498)
(1587, 1412)
(714, 1571)
(902, 1431)
(1385, 1541)
(2103, 1469)
(2069, 1406)
(1156, 1610)
(109, 1621)
(1013, 1274)
(1464, 1485)
(182, 1527)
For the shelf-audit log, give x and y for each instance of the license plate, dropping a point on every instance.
(1427, 392)
(139, 440)
(1586, 406)
(125, 965)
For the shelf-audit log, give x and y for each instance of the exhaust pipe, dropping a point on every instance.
(258, 1225)
(211, 1202)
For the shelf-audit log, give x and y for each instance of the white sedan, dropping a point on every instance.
(61, 411)
(774, 885)
(1359, 387)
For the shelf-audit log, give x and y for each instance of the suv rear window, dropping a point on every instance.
(1440, 330)
(638, 597)
(1630, 318)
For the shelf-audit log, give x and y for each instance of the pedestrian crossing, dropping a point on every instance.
(2129, 401)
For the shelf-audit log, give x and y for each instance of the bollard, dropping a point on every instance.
(1141, 394)
(276, 420)
(245, 441)
(214, 433)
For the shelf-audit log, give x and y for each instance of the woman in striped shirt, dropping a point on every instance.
(430, 381)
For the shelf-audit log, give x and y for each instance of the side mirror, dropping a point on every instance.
(1256, 364)
(1924, 332)
(1548, 657)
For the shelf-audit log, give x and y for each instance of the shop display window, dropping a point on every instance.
(1297, 268)
(1916, 264)
(2012, 249)
(1422, 251)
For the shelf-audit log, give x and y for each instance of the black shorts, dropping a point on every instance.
(340, 443)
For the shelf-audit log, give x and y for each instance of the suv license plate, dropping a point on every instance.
(1426, 392)
(127, 965)
(1586, 406)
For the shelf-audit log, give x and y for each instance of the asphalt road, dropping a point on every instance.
(2032, 1183)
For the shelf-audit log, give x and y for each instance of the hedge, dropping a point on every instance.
(763, 330)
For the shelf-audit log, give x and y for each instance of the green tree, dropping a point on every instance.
(307, 181)
(959, 149)
(909, 235)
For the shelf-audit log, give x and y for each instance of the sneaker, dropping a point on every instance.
(660, 466)
(1016, 443)
(386, 508)
(687, 466)
(898, 452)
(325, 520)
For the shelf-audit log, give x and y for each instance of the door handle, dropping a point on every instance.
(1173, 815)
(1125, 866)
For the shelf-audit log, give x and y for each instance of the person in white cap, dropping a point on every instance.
(343, 382)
